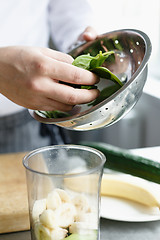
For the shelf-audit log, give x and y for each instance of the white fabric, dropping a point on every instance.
(31, 22)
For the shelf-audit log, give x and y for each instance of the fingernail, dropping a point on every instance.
(90, 35)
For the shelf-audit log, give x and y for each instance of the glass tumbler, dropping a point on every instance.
(63, 184)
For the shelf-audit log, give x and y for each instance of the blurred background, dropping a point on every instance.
(141, 127)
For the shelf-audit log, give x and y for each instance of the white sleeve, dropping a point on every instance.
(68, 19)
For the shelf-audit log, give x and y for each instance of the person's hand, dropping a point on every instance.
(30, 77)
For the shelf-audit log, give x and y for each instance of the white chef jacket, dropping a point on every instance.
(33, 22)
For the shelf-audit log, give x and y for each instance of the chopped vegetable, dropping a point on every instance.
(93, 64)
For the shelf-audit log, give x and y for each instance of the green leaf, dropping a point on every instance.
(99, 59)
(104, 72)
(88, 87)
(105, 93)
(83, 61)
(86, 61)
(93, 64)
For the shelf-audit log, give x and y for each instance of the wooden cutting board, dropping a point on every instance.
(13, 194)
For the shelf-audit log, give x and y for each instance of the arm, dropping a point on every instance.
(68, 20)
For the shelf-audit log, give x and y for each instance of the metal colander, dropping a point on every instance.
(133, 49)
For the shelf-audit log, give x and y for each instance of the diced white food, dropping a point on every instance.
(38, 207)
(64, 196)
(58, 234)
(89, 219)
(49, 219)
(53, 200)
(81, 228)
(81, 203)
(41, 232)
(65, 215)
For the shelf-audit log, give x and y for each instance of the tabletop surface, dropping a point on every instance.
(110, 230)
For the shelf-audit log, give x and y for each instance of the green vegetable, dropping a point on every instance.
(122, 160)
(83, 61)
(88, 87)
(76, 236)
(103, 72)
(86, 61)
(93, 64)
(105, 93)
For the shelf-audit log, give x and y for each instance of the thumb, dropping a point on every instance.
(89, 34)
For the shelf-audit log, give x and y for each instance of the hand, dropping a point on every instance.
(30, 77)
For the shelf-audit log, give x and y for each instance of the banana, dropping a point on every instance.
(65, 215)
(59, 213)
(36, 230)
(38, 207)
(41, 232)
(58, 234)
(49, 219)
(131, 188)
(53, 200)
(88, 218)
(64, 196)
(81, 228)
(81, 203)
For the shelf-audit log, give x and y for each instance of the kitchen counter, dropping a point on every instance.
(110, 229)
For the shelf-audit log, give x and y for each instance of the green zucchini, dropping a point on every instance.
(122, 160)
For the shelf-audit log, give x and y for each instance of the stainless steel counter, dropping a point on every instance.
(110, 230)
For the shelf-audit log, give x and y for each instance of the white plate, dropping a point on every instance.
(124, 210)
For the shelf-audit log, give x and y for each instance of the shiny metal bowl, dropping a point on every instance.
(133, 49)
